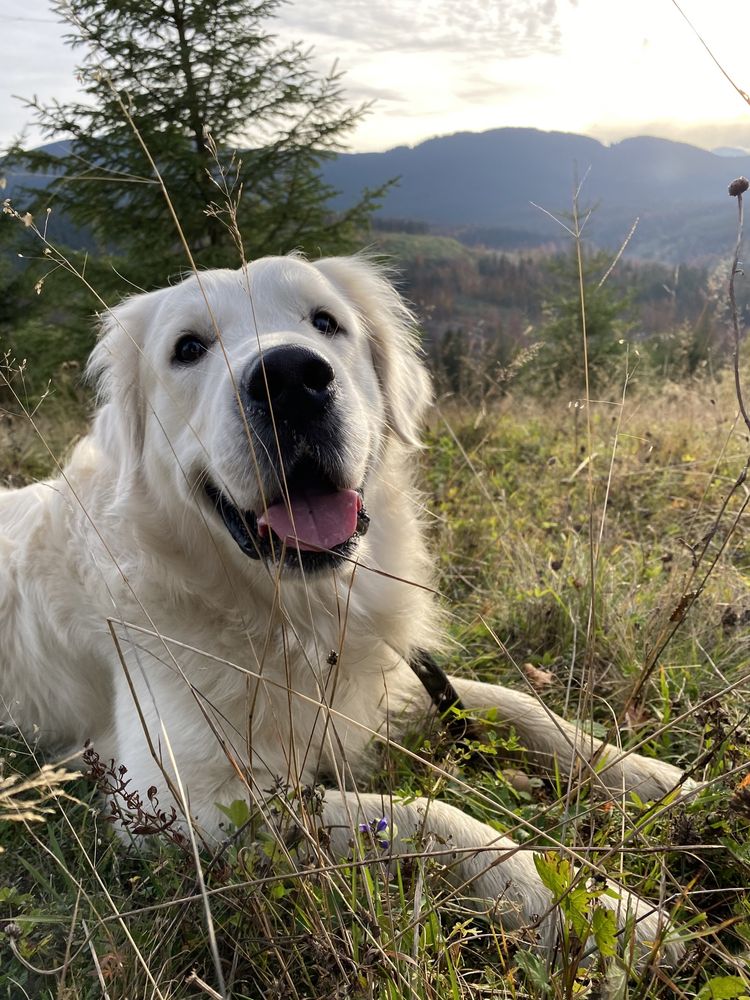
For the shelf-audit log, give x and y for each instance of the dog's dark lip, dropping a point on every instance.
(243, 527)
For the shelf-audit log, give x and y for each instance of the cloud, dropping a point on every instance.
(500, 29)
(433, 66)
(365, 92)
(478, 88)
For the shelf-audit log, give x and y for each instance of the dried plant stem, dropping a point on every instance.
(97, 964)
(737, 269)
(194, 980)
(208, 916)
(691, 594)
(743, 94)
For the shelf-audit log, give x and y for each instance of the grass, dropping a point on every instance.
(514, 509)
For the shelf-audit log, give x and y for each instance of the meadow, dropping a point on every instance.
(597, 555)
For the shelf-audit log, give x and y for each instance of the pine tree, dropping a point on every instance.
(197, 79)
(561, 362)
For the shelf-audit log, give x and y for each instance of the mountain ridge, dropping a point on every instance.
(480, 186)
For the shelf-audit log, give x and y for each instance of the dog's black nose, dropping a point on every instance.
(294, 382)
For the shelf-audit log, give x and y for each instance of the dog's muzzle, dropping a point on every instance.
(309, 516)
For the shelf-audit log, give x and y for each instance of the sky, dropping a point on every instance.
(606, 68)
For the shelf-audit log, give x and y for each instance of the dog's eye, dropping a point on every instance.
(189, 349)
(325, 323)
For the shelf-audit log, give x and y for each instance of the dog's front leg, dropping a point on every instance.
(484, 865)
(488, 870)
(555, 743)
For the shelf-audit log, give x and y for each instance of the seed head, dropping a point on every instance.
(739, 186)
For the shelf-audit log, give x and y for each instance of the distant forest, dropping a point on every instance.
(480, 306)
(481, 310)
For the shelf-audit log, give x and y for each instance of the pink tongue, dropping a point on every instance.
(316, 521)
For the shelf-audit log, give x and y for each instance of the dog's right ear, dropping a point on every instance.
(391, 331)
(115, 366)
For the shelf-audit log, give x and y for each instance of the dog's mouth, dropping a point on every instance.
(314, 524)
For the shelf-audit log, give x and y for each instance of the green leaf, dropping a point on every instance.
(615, 985)
(724, 988)
(534, 969)
(554, 872)
(604, 929)
(238, 813)
(576, 906)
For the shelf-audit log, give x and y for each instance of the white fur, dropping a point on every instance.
(226, 658)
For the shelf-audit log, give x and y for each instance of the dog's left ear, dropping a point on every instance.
(391, 330)
(114, 366)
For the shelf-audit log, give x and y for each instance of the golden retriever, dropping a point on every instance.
(224, 588)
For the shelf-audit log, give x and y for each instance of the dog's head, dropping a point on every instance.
(265, 398)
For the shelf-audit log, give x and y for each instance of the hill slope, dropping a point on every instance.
(481, 185)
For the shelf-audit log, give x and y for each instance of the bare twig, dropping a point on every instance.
(743, 94)
(691, 593)
(736, 189)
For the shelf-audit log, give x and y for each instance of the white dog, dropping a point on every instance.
(225, 586)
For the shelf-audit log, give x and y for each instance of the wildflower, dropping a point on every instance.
(380, 831)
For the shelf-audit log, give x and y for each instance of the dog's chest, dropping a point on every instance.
(289, 705)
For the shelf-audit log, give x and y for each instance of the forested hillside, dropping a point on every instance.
(480, 309)
(481, 186)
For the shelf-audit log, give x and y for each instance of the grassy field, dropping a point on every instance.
(588, 563)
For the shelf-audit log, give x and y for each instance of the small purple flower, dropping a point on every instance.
(379, 830)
